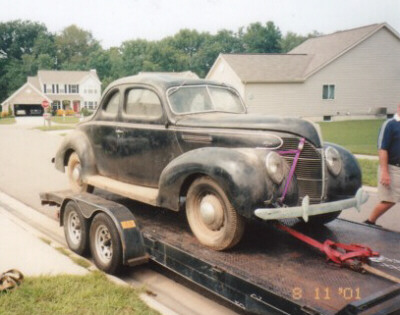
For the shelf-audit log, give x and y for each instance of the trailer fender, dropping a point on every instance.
(240, 173)
(77, 142)
(133, 249)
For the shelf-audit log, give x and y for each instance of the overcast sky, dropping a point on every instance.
(114, 21)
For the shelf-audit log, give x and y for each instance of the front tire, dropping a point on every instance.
(105, 244)
(211, 216)
(74, 171)
(76, 229)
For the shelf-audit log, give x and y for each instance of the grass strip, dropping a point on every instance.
(65, 120)
(358, 136)
(56, 127)
(68, 294)
(369, 170)
(7, 121)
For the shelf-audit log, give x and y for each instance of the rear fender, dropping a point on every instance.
(240, 173)
(77, 142)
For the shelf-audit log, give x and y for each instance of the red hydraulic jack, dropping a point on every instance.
(352, 256)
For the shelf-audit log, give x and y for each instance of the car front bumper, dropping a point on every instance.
(306, 210)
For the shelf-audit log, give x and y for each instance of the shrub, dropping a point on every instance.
(85, 112)
(4, 114)
(60, 112)
(10, 111)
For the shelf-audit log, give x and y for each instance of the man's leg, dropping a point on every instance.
(380, 209)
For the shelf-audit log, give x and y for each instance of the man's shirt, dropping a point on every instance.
(389, 139)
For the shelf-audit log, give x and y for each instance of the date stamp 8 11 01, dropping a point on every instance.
(327, 293)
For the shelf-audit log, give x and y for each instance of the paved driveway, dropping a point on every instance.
(29, 121)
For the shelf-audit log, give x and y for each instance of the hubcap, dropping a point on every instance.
(76, 173)
(211, 212)
(74, 228)
(103, 244)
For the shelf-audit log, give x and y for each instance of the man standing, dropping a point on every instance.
(389, 167)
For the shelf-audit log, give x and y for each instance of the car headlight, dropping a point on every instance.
(274, 165)
(333, 160)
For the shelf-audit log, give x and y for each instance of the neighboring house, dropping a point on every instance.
(62, 89)
(352, 73)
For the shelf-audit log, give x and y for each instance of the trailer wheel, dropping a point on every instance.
(76, 229)
(105, 244)
(211, 216)
(323, 218)
(75, 175)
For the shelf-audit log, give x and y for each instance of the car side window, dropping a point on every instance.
(143, 103)
(111, 107)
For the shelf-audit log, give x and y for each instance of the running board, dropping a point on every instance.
(143, 194)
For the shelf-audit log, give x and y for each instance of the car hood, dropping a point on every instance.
(294, 126)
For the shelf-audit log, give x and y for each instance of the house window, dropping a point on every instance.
(328, 92)
(44, 88)
(73, 88)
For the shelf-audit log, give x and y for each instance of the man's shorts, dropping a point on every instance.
(391, 193)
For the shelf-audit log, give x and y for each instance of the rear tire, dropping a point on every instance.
(211, 216)
(105, 244)
(74, 171)
(76, 229)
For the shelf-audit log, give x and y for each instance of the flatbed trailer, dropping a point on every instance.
(268, 272)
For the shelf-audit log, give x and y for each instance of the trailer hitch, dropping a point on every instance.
(353, 256)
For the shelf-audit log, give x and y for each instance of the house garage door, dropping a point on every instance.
(28, 110)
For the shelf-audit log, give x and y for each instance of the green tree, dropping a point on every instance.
(74, 46)
(292, 40)
(262, 39)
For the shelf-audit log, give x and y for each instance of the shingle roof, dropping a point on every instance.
(268, 67)
(327, 47)
(65, 77)
(301, 62)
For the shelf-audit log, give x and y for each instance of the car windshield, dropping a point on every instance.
(204, 98)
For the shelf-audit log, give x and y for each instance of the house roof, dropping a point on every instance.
(64, 77)
(268, 67)
(301, 62)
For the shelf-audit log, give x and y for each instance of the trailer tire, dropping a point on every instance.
(323, 218)
(105, 244)
(76, 229)
(74, 172)
(211, 216)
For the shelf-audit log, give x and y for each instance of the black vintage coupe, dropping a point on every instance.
(191, 145)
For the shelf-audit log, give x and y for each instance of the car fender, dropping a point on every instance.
(240, 173)
(77, 142)
(348, 181)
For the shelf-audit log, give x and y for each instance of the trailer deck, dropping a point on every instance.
(269, 272)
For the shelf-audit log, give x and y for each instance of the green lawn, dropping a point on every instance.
(55, 127)
(369, 170)
(91, 294)
(65, 120)
(358, 136)
(7, 121)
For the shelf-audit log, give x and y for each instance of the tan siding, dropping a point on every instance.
(365, 78)
(222, 72)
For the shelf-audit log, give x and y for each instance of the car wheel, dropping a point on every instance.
(323, 218)
(105, 244)
(211, 216)
(75, 175)
(76, 229)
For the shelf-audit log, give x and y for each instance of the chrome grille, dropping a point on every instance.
(309, 170)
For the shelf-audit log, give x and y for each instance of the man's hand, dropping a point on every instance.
(385, 178)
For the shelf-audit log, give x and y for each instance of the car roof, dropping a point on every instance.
(163, 81)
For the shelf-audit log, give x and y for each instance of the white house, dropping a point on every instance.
(353, 73)
(62, 89)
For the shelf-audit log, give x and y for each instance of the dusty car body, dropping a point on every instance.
(190, 144)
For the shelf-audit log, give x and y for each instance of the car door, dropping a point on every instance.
(146, 144)
(104, 137)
